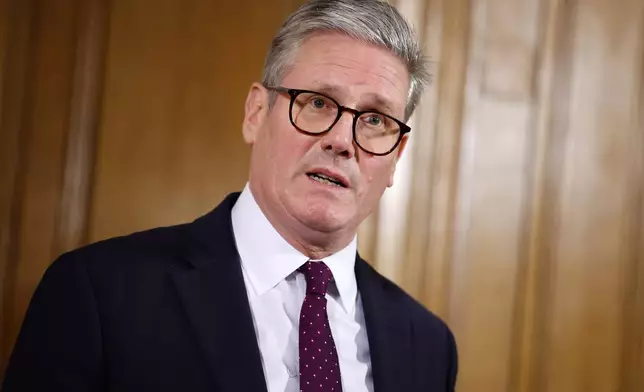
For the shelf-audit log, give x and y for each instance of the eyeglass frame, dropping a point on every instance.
(293, 93)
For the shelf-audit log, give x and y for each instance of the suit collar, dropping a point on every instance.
(212, 235)
(214, 297)
(266, 257)
(389, 331)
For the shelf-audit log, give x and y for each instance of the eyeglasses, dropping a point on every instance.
(314, 113)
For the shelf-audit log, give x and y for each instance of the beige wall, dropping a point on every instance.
(517, 214)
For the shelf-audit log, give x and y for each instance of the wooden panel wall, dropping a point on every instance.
(170, 146)
(113, 119)
(524, 223)
(38, 66)
(518, 214)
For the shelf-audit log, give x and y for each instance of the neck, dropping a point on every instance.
(314, 244)
(314, 248)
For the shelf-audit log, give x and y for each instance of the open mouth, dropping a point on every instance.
(324, 179)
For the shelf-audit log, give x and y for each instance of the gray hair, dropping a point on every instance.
(371, 21)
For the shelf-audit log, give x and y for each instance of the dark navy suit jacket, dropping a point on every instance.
(167, 310)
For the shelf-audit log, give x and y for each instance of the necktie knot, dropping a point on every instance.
(317, 275)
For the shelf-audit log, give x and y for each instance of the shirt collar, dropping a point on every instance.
(268, 259)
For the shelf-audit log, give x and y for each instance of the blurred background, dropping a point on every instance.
(517, 214)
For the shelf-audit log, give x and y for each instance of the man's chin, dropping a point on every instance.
(324, 221)
(320, 215)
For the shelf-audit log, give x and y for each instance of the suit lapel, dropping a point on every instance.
(388, 331)
(214, 297)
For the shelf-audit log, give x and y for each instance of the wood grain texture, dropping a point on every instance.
(636, 374)
(542, 175)
(170, 144)
(450, 105)
(16, 49)
(632, 376)
(594, 224)
(41, 154)
(424, 133)
(72, 230)
(492, 188)
(524, 225)
(4, 27)
(519, 217)
(36, 105)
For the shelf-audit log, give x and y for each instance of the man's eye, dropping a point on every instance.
(374, 120)
(318, 103)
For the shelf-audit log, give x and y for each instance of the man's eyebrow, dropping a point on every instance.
(372, 101)
(379, 103)
(330, 90)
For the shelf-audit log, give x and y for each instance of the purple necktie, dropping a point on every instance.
(319, 367)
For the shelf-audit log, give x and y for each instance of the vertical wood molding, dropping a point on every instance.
(395, 212)
(491, 197)
(533, 283)
(429, 30)
(632, 368)
(533, 374)
(636, 376)
(446, 152)
(36, 108)
(15, 97)
(4, 41)
(595, 194)
(72, 230)
(639, 360)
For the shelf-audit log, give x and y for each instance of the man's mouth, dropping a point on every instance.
(325, 179)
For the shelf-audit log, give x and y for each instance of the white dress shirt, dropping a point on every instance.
(276, 292)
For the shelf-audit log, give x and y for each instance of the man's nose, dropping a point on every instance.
(339, 140)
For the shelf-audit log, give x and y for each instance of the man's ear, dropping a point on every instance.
(255, 112)
(398, 154)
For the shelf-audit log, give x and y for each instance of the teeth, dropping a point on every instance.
(324, 179)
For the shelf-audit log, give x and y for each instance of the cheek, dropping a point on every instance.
(286, 148)
(375, 177)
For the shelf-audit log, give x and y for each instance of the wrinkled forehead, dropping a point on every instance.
(351, 71)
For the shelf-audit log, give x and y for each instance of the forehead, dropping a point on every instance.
(355, 72)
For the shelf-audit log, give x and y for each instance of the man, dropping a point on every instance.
(266, 292)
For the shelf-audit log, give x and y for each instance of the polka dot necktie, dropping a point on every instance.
(319, 367)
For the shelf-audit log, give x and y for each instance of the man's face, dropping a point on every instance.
(356, 75)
